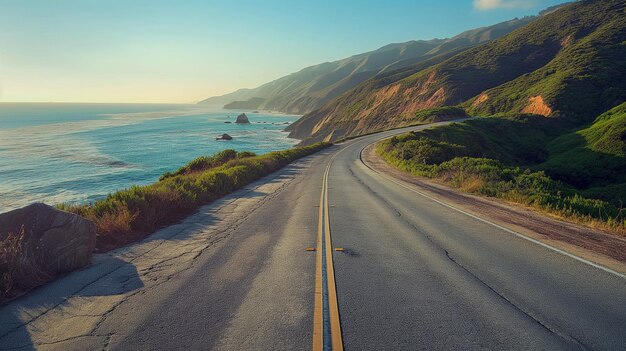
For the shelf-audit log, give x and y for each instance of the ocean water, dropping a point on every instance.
(77, 153)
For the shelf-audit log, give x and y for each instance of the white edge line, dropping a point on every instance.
(580, 259)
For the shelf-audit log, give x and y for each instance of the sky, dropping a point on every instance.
(175, 51)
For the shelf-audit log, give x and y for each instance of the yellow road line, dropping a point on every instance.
(333, 306)
(335, 324)
(318, 326)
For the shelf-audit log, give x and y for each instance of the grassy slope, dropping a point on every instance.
(572, 57)
(587, 77)
(531, 160)
(131, 214)
(513, 140)
(593, 158)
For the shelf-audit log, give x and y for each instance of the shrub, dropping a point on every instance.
(207, 162)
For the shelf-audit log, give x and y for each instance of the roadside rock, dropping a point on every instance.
(242, 118)
(224, 137)
(59, 241)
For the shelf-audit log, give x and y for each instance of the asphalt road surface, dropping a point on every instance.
(327, 254)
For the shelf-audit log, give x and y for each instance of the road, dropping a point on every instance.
(327, 253)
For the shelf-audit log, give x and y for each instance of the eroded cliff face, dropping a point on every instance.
(372, 109)
(388, 102)
(536, 105)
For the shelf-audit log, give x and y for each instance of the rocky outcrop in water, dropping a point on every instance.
(242, 118)
(224, 137)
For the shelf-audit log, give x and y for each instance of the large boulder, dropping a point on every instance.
(242, 118)
(62, 241)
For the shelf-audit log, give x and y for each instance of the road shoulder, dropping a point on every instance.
(72, 310)
(587, 243)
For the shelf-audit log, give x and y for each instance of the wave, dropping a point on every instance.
(60, 140)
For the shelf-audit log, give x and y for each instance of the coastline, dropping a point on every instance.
(85, 156)
(134, 213)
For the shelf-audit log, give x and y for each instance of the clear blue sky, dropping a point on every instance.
(186, 50)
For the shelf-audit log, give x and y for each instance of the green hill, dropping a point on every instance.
(578, 173)
(568, 63)
(594, 157)
(585, 78)
(312, 87)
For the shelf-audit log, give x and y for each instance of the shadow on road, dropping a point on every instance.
(110, 276)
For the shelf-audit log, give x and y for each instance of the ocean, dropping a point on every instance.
(76, 153)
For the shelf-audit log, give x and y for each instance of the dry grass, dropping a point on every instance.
(472, 184)
(20, 268)
(113, 226)
(616, 226)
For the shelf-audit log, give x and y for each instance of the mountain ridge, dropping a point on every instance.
(310, 88)
(545, 67)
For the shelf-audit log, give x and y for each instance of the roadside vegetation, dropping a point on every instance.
(593, 157)
(577, 174)
(131, 214)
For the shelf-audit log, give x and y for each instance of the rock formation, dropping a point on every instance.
(242, 118)
(224, 137)
(58, 241)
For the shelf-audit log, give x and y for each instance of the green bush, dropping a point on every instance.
(206, 162)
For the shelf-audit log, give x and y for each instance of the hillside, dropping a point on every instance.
(584, 79)
(578, 173)
(593, 157)
(312, 87)
(569, 63)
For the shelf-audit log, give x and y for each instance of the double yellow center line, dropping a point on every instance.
(326, 324)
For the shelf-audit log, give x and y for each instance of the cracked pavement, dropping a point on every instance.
(97, 308)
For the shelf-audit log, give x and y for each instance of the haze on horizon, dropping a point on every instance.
(165, 51)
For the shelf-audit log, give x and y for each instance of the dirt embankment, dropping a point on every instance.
(594, 245)
(480, 99)
(538, 106)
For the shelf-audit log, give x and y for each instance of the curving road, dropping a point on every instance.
(422, 275)
(328, 253)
